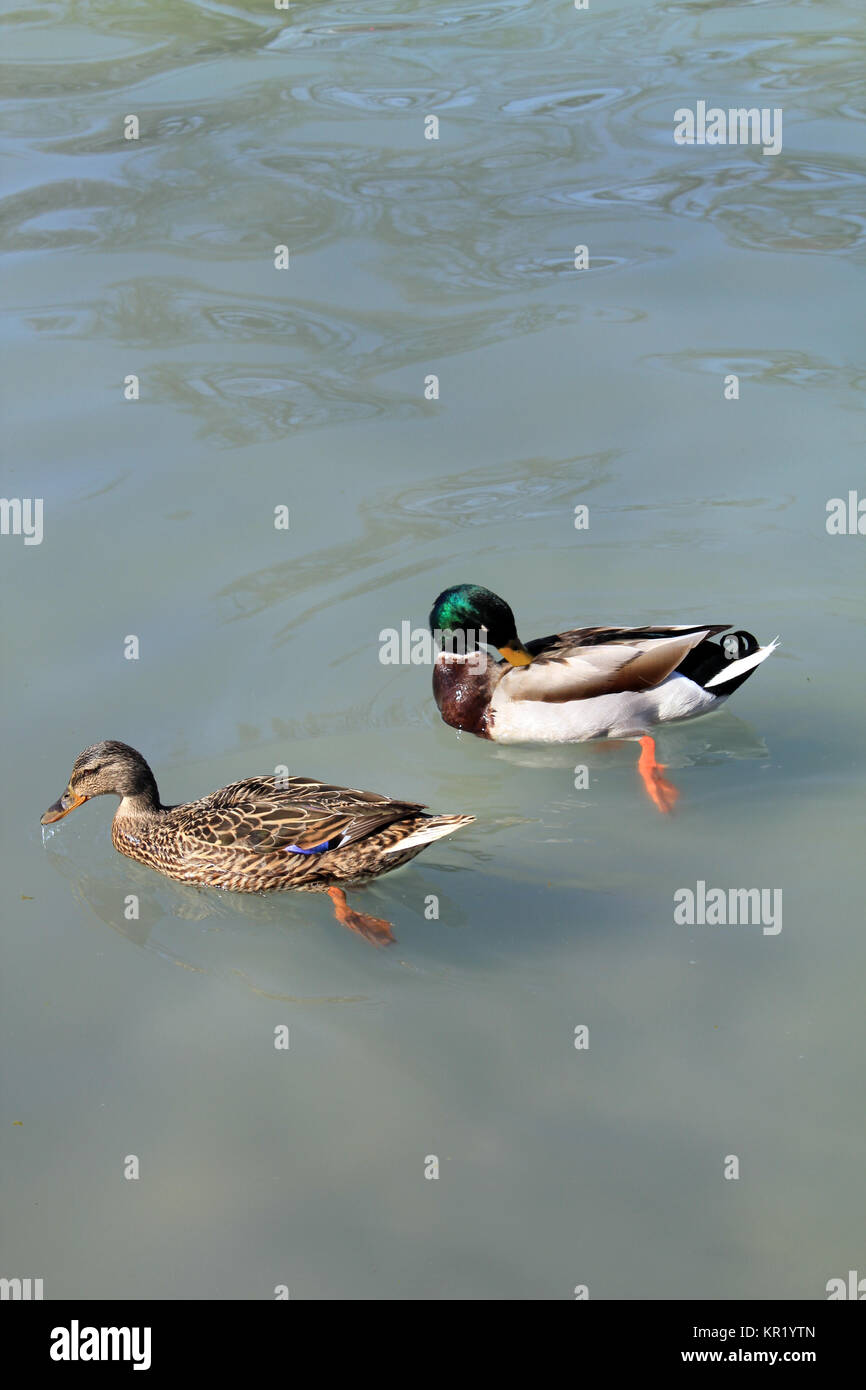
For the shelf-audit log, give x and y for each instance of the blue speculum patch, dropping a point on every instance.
(317, 849)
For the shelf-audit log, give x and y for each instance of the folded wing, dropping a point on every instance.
(586, 662)
(263, 814)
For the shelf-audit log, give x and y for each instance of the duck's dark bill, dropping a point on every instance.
(62, 808)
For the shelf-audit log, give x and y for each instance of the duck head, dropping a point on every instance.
(467, 615)
(103, 768)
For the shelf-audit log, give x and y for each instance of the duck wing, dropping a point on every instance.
(590, 661)
(266, 813)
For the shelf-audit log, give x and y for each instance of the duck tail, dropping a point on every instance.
(431, 828)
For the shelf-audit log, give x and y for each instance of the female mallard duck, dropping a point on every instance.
(589, 683)
(263, 834)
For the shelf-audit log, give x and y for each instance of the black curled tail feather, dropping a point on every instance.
(708, 659)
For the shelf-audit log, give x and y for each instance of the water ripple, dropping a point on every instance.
(769, 367)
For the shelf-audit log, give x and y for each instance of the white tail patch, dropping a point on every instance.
(434, 831)
(746, 663)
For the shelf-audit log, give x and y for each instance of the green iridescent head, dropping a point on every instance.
(481, 616)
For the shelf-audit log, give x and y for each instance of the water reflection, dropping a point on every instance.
(261, 942)
(706, 742)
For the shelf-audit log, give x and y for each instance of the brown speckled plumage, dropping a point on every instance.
(238, 838)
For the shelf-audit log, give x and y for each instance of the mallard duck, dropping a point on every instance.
(263, 834)
(589, 683)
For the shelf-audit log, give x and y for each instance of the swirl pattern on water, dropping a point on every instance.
(316, 141)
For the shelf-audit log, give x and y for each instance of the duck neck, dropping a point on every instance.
(141, 802)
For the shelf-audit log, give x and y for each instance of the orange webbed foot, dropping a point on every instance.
(663, 794)
(373, 929)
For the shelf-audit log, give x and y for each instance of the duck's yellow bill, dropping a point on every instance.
(517, 655)
(62, 808)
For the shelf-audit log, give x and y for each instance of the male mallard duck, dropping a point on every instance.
(263, 834)
(589, 683)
